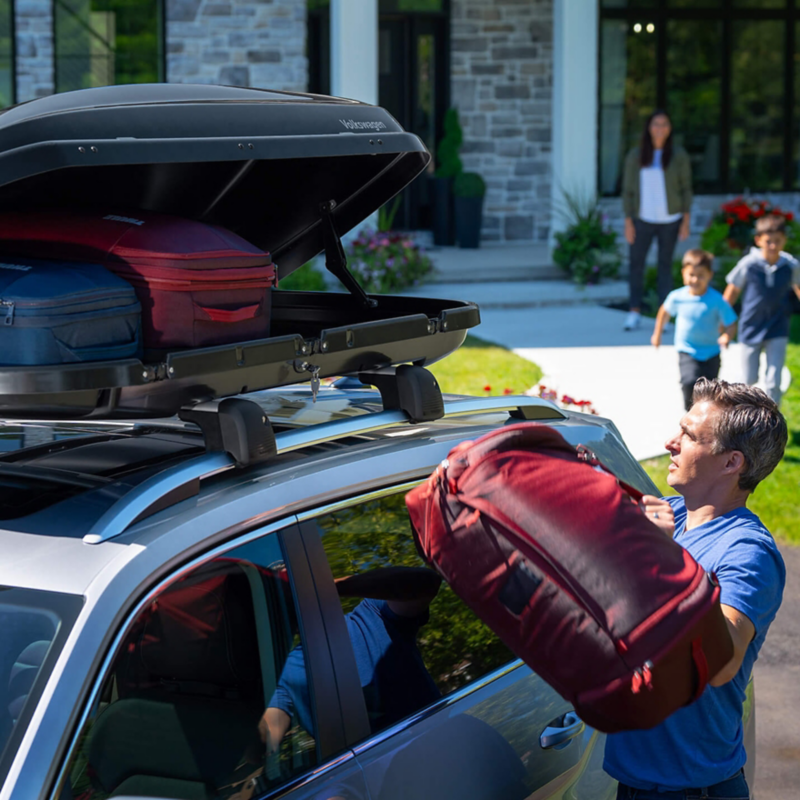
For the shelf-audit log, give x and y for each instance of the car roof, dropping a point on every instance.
(131, 478)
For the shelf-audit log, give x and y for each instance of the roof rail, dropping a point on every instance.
(183, 480)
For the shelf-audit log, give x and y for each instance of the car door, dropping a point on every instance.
(180, 708)
(494, 728)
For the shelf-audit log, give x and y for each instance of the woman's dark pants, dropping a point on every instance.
(667, 235)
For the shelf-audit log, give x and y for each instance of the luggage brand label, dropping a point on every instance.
(368, 125)
(131, 220)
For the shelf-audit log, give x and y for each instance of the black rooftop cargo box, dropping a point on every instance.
(290, 173)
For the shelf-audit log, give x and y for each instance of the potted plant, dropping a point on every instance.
(469, 189)
(587, 248)
(447, 169)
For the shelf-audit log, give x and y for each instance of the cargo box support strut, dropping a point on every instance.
(335, 259)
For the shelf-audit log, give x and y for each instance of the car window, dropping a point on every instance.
(33, 627)
(182, 711)
(404, 661)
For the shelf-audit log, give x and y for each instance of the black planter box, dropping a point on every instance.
(469, 217)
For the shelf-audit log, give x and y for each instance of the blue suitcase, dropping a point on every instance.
(59, 312)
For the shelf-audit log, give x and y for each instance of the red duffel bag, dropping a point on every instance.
(198, 284)
(558, 559)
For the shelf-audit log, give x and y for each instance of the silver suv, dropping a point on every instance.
(154, 595)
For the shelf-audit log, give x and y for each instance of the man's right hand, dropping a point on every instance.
(659, 512)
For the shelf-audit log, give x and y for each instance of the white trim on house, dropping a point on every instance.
(354, 49)
(575, 81)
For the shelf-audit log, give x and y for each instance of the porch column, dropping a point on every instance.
(354, 49)
(575, 119)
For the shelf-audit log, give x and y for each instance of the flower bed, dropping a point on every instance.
(387, 261)
(731, 230)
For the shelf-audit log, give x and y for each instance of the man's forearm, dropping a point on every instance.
(392, 583)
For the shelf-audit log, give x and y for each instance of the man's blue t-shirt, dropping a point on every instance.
(390, 666)
(698, 318)
(702, 744)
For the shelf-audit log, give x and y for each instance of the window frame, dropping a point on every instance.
(331, 746)
(661, 13)
(12, 55)
(354, 708)
(161, 45)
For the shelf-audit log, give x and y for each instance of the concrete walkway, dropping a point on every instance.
(584, 352)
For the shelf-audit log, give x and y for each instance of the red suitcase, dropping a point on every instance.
(199, 285)
(558, 559)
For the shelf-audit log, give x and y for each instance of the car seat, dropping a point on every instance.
(186, 693)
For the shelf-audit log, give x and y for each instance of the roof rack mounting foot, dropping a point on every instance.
(410, 388)
(235, 426)
(335, 259)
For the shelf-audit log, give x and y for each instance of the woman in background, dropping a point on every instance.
(657, 200)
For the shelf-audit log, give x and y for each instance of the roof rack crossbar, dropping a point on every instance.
(134, 505)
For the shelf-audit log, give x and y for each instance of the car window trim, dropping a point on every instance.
(355, 720)
(308, 610)
(354, 708)
(366, 497)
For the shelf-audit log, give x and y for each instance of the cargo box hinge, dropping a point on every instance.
(335, 258)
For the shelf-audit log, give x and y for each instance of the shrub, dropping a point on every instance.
(587, 249)
(448, 164)
(469, 184)
(307, 278)
(387, 261)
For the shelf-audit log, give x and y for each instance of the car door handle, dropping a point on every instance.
(560, 732)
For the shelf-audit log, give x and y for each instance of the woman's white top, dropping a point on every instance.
(653, 193)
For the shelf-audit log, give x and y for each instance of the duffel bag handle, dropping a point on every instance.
(229, 315)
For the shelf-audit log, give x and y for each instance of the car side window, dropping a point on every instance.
(404, 661)
(183, 710)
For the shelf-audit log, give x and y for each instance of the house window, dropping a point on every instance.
(6, 53)
(725, 72)
(106, 42)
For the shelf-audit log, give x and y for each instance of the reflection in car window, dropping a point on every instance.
(456, 648)
(179, 711)
(33, 626)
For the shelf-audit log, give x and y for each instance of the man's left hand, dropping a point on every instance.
(660, 512)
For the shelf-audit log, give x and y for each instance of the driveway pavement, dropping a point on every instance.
(777, 677)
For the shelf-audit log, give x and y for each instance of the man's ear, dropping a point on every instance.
(734, 462)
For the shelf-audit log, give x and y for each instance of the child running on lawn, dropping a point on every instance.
(765, 278)
(704, 321)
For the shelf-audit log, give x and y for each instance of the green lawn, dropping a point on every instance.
(482, 368)
(777, 499)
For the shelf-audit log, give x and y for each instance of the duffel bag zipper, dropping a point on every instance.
(80, 299)
(9, 305)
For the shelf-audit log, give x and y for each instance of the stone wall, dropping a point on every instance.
(259, 43)
(34, 49)
(502, 76)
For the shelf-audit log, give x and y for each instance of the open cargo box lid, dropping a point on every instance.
(288, 172)
(260, 163)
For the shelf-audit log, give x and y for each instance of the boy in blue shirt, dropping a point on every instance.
(765, 278)
(704, 321)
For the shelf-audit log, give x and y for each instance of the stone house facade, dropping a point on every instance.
(502, 85)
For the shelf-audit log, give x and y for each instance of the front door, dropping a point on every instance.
(412, 86)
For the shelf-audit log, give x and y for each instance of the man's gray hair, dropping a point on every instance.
(750, 422)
